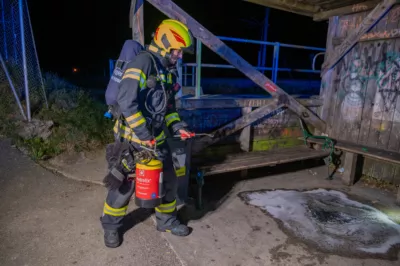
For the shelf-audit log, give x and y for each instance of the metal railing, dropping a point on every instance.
(274, 69)
(195, 71)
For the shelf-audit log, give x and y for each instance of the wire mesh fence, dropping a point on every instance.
(20, 65)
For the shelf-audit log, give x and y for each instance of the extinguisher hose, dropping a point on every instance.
(164, 103)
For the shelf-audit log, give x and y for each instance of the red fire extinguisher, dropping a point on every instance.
(149, 183)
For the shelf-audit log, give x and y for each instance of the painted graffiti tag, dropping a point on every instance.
(377, 63)
(393, 33)
(359, 7)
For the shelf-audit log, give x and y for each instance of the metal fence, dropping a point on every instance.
(19, 61)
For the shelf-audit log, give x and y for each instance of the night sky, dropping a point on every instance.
(90, 32)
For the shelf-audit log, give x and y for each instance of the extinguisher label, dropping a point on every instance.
(147, 183)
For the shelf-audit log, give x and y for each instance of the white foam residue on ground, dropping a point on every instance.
(329, 219)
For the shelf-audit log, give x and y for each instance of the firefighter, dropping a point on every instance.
(146, 103)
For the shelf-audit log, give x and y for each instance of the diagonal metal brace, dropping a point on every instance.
(215, 44)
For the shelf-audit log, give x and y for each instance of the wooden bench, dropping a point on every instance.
(201, 167)
(353, 152)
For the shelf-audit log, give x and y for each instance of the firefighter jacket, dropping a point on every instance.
(137, 100)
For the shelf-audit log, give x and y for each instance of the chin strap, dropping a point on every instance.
(157, 50)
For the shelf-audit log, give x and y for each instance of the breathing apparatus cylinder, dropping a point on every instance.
(149, 183)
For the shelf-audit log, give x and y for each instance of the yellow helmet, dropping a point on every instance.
(173, 34)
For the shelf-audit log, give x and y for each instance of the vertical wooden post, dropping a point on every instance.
(245, 138)
(245, 135)
(350, 168)
(136, 20)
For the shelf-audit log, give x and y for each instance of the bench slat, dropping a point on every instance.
(372, 152)
(251, 160)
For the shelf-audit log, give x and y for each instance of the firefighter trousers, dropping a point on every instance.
(117, 200)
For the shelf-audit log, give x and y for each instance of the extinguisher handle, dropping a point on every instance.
(190, 135)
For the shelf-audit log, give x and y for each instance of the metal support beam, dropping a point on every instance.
(3, 18)
(211, 41)
(240, 123)
(25, 68)
(367, 24)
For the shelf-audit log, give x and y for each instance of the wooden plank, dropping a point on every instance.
(327, 91)
(259, 159)
(220, 103)
(394, 138)
(238, 124)
(340, 82)
(332, 80)
(292, 6)
(350, 168)
(215, 44)
(388, 90)
(381, 100)
(136, 22)
(372, 53)
(372, 152)
(355, 8)
(373, 17)
(353, 103)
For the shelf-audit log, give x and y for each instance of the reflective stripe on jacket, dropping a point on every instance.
(133, 91)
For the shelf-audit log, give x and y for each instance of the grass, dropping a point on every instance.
(78, 120)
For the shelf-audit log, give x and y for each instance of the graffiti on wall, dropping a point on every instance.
(388, 88)
(349, 23)
(371, 63)
(351, 85)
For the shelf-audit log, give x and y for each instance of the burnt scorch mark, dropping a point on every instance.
(355, 229)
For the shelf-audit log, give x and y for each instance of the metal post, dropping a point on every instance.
(111, 66)
(198, 69)
(179, 68)
(14, 35)
(3, 17)
(21, 22)
(192, 75)
(275, 64)
(36, 56)
(12, 86)
(265, 37)
(185, 74)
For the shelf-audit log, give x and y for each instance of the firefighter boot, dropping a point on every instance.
(111, 238)
(167, 221)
